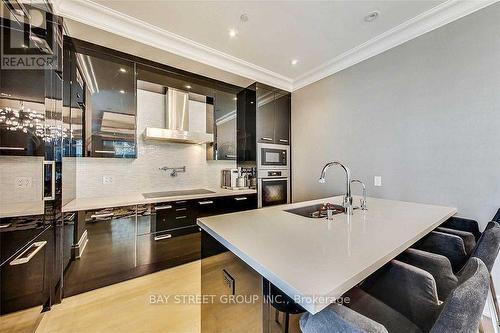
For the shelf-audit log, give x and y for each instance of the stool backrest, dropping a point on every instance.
(496, 218)
(463, 308)
(488, 245)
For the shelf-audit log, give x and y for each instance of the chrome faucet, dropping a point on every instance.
(362, 200)
(347, 204)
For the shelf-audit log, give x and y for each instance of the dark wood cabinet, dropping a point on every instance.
(25, 277)
(239, 203)
(208, 206)
(102, 93)
(121, 247)
(273, 115)
(282, 119)
(266, 115)
(109, 254)
(22, 94)
(263, 115)
(246, 127)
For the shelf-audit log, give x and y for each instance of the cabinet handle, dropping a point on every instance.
(104, 151)
(266, 139)
(28, 254)
(12, 148)
(208, 202)
(283, 140)
(163, 207)
(180, 209)
(230, 156)
(180, 202)
(157, 238)
(3, 226)
(53, 180)
(240, 198)
(101, 216)
(180, 217)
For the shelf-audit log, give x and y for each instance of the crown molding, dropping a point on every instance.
(434, 18)
(107, 19)
(101, 17)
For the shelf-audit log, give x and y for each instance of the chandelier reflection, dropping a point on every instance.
(30, 121)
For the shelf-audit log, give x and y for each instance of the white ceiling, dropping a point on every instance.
(321, 35)
(276, 32)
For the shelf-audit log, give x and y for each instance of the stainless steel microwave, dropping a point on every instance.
(271, 156)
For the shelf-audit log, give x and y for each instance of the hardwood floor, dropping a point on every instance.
(125, 306)
(25, 321)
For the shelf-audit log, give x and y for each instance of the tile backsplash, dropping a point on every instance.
(26, 170)
(142, 174)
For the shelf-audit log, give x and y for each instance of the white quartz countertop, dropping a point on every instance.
(315, 261)
(138, 199)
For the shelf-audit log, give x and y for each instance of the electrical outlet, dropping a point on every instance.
(24, 182)
(377, 181)
(106, 180)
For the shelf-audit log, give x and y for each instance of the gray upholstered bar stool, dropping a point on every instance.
(452, 246)
(403, 298)
(443, 255)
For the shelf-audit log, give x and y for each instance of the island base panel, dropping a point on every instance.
(234, 295)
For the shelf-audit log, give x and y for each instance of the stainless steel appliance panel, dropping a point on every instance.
(272, 156)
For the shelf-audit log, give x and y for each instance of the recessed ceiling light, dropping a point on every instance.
(123, 70)
(294, 62)
(236, 98)
(122, 91)
(372, 16)
(232, 33)
(188, 86)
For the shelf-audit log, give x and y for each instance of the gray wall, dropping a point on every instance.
(425, 116)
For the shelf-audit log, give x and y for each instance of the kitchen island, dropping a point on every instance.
(313, 261)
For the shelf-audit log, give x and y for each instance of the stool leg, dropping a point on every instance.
(495, 301)
(287, 320)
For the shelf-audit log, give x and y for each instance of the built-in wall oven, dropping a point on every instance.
(271, 156)
(273, 187)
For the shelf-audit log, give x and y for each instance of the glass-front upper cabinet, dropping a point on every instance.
(22, 94)
(224, 125)
(102, 110)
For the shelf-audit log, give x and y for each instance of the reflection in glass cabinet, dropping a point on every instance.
(224, 126)
(102, 110)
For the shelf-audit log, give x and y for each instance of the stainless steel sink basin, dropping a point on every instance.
(314, 211)
(165, 194)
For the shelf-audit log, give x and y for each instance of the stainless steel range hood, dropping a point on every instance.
(177, 127)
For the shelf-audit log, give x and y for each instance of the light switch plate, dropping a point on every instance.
(24, 182)
(377, 181)
(107, 180)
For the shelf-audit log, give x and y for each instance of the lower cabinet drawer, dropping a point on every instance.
(25, 278)
(240, 203)
(164, 249)
(171, 216)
